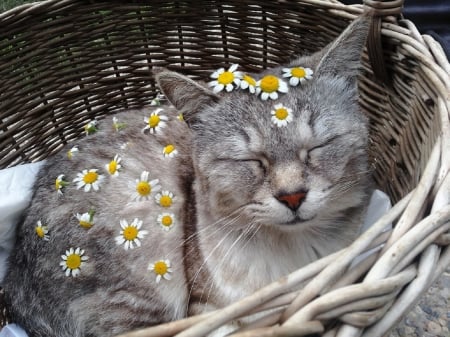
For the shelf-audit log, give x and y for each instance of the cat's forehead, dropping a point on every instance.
(280, 128)
(247, 123)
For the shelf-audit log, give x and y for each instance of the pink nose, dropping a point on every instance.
(293, 201)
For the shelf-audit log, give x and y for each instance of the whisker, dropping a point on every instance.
(244, 245)
(209, 281)
(217, 228)
(230, 222)
(207, 227)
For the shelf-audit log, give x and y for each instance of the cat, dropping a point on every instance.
(188, 206)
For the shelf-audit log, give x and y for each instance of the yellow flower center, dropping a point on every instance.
(73, 261)
(269, 83)
(112, 167)
(143, 188)
(69, 154)
(250, 80)
(160, 268)
(166, 220)
(225, 78)
(298, 72)
(153, 121)
(90, 177)
(40, 231)
(165, 201)
(180, 117)
(58, 184)
(281, 113)
(86, 224)
(130, 233)
(169, 149)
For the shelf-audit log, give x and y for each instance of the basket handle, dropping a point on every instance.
(381, 11)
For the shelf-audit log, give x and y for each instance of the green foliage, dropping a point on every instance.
(8, 4)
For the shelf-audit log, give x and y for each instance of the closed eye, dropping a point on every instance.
(258, 162)
(325, 143)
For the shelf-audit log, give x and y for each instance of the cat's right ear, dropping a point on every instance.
(343, 56)
(186, 95)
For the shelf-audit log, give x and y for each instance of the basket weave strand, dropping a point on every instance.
(64, 63)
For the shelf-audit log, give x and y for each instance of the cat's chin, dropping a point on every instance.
(296, 224)
(298, 220)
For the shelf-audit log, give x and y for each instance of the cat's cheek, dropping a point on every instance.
(314, 205)
(324, 167)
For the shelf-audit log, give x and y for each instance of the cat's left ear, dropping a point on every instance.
(343, 56)
(186, 95)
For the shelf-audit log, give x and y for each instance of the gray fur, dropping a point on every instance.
(231, 235)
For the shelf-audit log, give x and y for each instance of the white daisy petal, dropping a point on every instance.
(233, 67)
(162, 269)
(131, 234)
(225, 79)
(283, 87)
(298, 75)
(213, 83)
(87, 179)
(73, 261)
(269, 86)
(155, 122)
(293, 81)
(218, 88)
(281, 115)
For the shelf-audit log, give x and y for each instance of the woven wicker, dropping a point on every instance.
(65, 62)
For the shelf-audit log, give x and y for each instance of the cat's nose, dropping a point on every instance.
(292, 200)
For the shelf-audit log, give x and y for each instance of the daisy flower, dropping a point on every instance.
(73, 261)
(144, 187)
(164, 199)
(42, 231)
(170, 151)
(90, 127)
(113, 167)
(281, 115)
(224, 79)
(130, 234)
(89, 179)
(166, 221)
(86, 220)
(162, 269)
(156, 121)
(118, 125)
(157, 100)
(269, 87)
(72, 152)
(248, 82)
(297, 75)
(60, 183)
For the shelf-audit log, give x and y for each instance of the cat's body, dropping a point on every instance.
(251, 202)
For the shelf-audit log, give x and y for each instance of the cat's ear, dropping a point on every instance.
(343, 56)
(186, 95)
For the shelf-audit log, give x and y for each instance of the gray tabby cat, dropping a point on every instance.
(154, 218)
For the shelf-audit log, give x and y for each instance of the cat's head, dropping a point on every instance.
(312, 169)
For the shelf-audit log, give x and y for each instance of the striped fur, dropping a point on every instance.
(233, 233)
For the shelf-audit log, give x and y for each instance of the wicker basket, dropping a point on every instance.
(65, 62)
